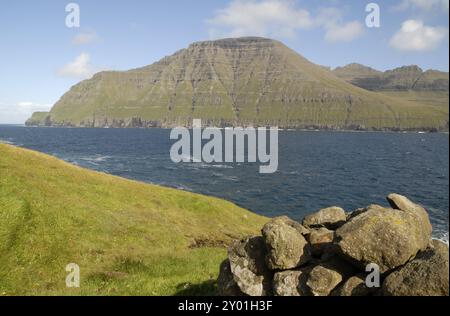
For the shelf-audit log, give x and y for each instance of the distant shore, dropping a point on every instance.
(312, 129)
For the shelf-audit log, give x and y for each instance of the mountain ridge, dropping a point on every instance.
(247, 81)
(402, 78)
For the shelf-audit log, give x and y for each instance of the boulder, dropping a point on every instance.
(327, 275)
(247, 263)
(386, 237)
(359, 211)
(226, 285)
(320, 240)
(287, 248)
(322, 280)
(354, 286)
(426, 275)
(291, 283)
(402, 203)
(290, 222)
(331, 218)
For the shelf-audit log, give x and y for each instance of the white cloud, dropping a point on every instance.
(259, 18)
(424, 5)
(344, 33)
(20, 112)
(80, 68)
(279, 18)
(85, 38)
(414, 35)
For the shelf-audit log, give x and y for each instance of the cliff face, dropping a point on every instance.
(399, 79)
(240, 82)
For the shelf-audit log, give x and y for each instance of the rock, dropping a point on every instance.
(386, 237)
(327, 275)
(354, 286)
(426, 275)
(320, 240)
(247, 263)
(291, 283)
(400, 202)
(359, 211)
(323, 280)
(287, 248)
(331, 218)
(296, 225)
(226, 284)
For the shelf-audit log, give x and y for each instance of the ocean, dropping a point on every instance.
(316, 169)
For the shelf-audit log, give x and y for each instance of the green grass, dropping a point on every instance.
(128, 238)
(428, 98)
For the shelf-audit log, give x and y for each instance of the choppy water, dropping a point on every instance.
(316, 169)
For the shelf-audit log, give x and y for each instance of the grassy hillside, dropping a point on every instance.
(127, 237)
(239, 82)
(406, 78)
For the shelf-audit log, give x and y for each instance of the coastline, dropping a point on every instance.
(336, 130)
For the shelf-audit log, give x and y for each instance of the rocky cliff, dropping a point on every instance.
(239, 82)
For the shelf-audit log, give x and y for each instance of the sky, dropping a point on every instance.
(44, 50)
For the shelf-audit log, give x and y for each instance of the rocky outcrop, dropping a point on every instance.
(293, 260)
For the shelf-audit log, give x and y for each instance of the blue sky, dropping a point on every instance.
(41, 58)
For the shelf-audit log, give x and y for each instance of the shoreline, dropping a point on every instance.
(390, 131)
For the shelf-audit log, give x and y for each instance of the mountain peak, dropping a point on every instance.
(247, 81)
(237, 42)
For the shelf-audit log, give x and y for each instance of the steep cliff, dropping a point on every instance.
(240, 82)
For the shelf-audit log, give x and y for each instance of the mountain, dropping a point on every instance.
(235, 82)
(128, 238)
(400, 79)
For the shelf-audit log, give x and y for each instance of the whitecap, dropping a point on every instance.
(442, 237)
(4, 141)
(95, 158)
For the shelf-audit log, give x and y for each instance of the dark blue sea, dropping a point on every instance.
(316, 169)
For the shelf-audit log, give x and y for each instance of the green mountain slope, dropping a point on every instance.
(410, 83)
(127, 237)
(240, 82)
(407, 78)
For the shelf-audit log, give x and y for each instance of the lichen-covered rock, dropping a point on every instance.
(247, 263)
(426, 275)
(226, 284)
(400, 202)
(354, 286)
(327, 275)
(287, 248)
(291, 283)
(331, 218)
(320, 240)
(360, 211)
(323, 280)
(290, 222)
(386, 237)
